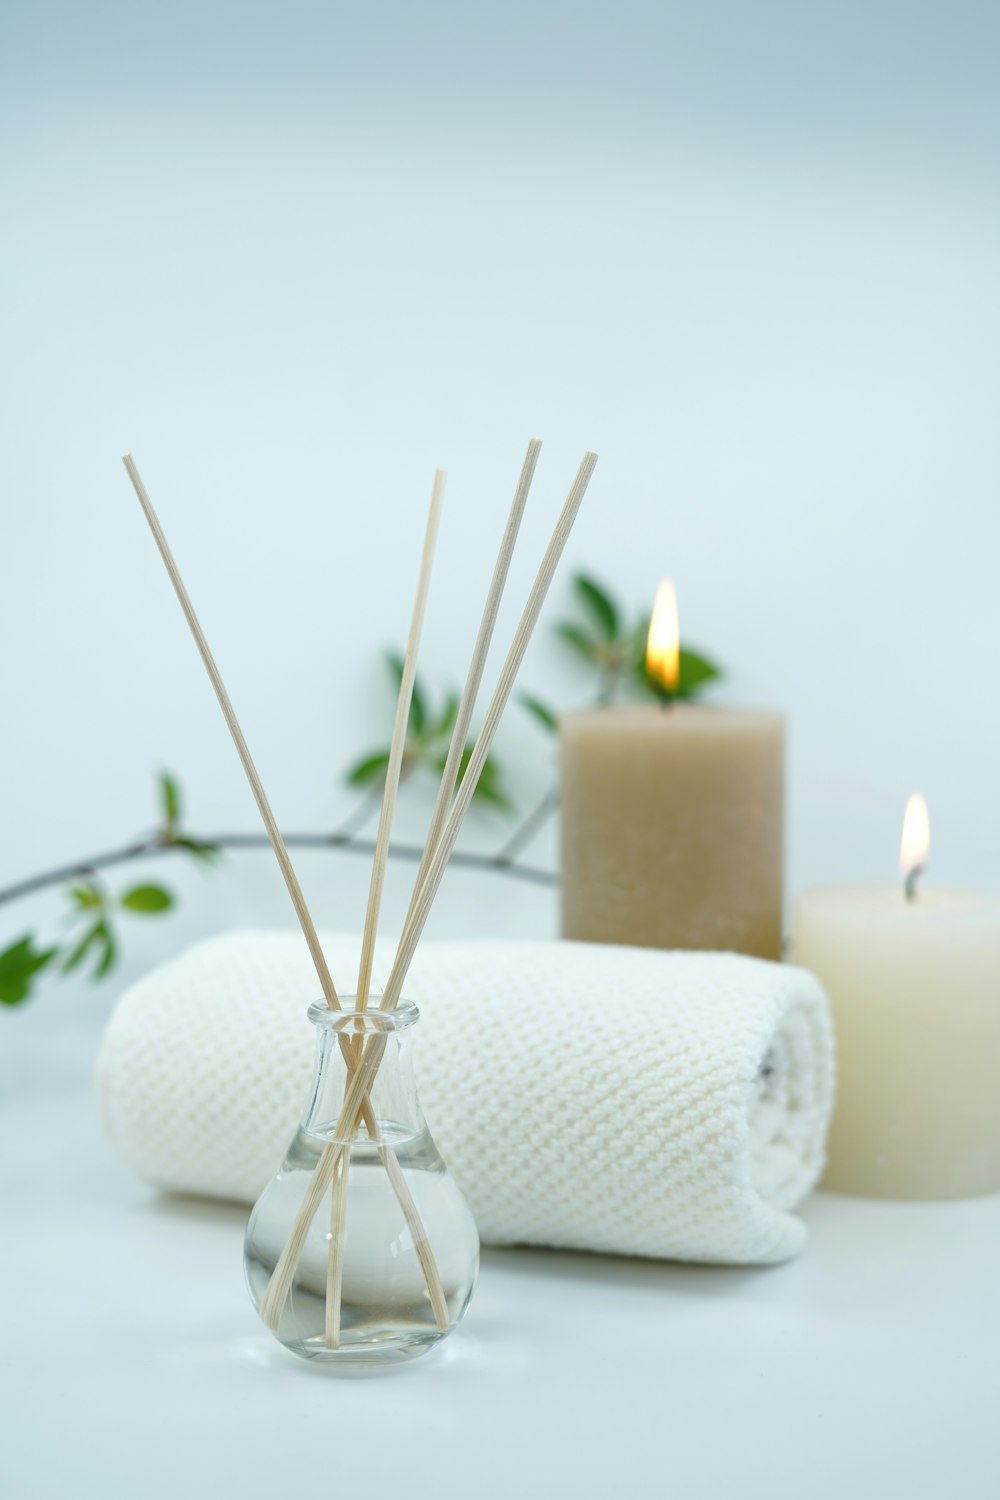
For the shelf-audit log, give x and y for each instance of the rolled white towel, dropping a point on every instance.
(615, 1099)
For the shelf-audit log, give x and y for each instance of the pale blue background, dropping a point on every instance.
(296, 256)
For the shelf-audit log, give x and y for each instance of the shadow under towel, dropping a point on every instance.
(589, 1097)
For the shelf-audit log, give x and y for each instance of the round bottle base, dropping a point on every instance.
(386, 1350)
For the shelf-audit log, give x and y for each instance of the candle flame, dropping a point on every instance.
(663, 645)
(916, 842)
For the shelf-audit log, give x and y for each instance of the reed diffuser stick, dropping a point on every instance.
(398, 744)
(424, 894)
(242, 749)
(470, 692)
(335, 1251)
(283, 1274)
(400, 1187)
(338, 1196)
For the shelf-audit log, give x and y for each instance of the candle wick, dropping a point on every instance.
(910, 883)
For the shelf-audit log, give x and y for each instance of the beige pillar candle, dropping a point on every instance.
(672, 817)
(672, 827)
(915, 990)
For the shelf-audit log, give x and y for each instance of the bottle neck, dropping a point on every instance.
(390, 1112)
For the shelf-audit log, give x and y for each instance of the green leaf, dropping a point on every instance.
(85, 896)
(490, 772)
(79, 952)
(695, 672)
(19, 965)
(101, 937)
(541, 711)
(109, 956)
(488, 791)
(577, 637)
(446, 722)
(488, 787)
(418, 704)
(170, 799)
(368, 769)
(463, 764)
(418, 710)
(602, 608)
(147, 899)
(201, 850)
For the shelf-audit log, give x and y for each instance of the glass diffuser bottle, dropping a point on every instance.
(362, 1247)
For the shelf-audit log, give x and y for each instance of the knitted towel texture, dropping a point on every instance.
(613, 1099)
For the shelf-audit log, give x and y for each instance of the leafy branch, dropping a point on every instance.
(599, 636)
(426, 749)
(92, 940)
(615, 651)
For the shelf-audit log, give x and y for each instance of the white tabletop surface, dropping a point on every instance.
(131, 1362)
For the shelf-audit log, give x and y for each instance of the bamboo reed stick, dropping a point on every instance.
(398, 745)
(407, 1204)
(390, 790)
(284, 1271)
(480, 650)
(424, 895)
(446, 789)
(335, 1253)
(242, 749)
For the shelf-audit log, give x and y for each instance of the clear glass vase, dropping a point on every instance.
(362, 1247)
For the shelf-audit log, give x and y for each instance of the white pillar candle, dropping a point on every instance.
(915, 990)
